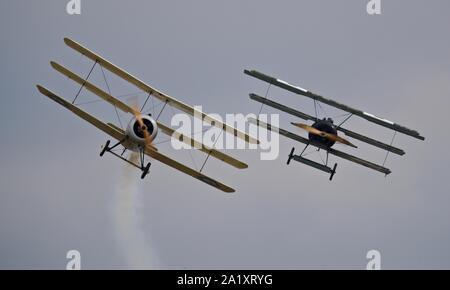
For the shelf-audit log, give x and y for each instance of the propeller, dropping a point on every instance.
(329, 136)
(138, 115)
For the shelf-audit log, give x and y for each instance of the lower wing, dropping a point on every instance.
(332, 151)
(120, 135)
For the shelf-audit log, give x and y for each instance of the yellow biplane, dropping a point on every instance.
(142, 129)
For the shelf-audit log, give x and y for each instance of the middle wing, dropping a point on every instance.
(347, 132)
(165, 129)
(113, 132)
(330, 150)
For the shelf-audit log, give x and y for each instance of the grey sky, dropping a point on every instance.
(56, 193)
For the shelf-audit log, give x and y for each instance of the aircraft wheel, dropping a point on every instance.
(290, 156)
(333, 171)
(145, 170)
(105, 148)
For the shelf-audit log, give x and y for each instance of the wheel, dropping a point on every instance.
(105, 148)
(333, 171)
(146, 170)
(290, 156)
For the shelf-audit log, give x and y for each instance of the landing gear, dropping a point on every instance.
(311, 163)
(145, 169)
(105, 148)
(333, 171)
(291, 155)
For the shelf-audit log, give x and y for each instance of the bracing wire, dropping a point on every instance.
(109, 91)
(265, 97)
(387, 151)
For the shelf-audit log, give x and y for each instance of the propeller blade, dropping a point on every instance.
(345, 141)
(309, 129)
(329, 136)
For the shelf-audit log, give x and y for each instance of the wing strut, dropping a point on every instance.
(109, 91)
(82, 86)
(387, 151)
(210, 151)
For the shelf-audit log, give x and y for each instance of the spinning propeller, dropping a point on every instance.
(329, 136)
(143, 128)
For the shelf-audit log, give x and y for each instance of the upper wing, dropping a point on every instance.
(92, 88)
(115, 133)
(165, 129)
(330, 150)
(347, 132)
(362, 114)
(163, 97)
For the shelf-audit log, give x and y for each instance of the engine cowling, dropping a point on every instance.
(325, 125)
(138, 129)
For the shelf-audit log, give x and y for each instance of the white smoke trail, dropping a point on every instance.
(127, 217)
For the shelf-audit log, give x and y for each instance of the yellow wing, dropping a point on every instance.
(119, 135)
(195, 144)
(92, 88)
(82, 114)
(165, 129)
(183, 168)
(161, 96)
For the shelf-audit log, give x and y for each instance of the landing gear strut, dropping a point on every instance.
(105, 148)
(311, 163)
(145, 169)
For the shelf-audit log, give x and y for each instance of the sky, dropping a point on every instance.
(57, 194)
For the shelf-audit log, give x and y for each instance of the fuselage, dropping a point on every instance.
(324, 125)
(141, 131)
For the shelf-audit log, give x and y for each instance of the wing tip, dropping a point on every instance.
(241, 165)
(68, 41)
(253, 140)
(72, 43)
(229, 190)
(41, 89)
